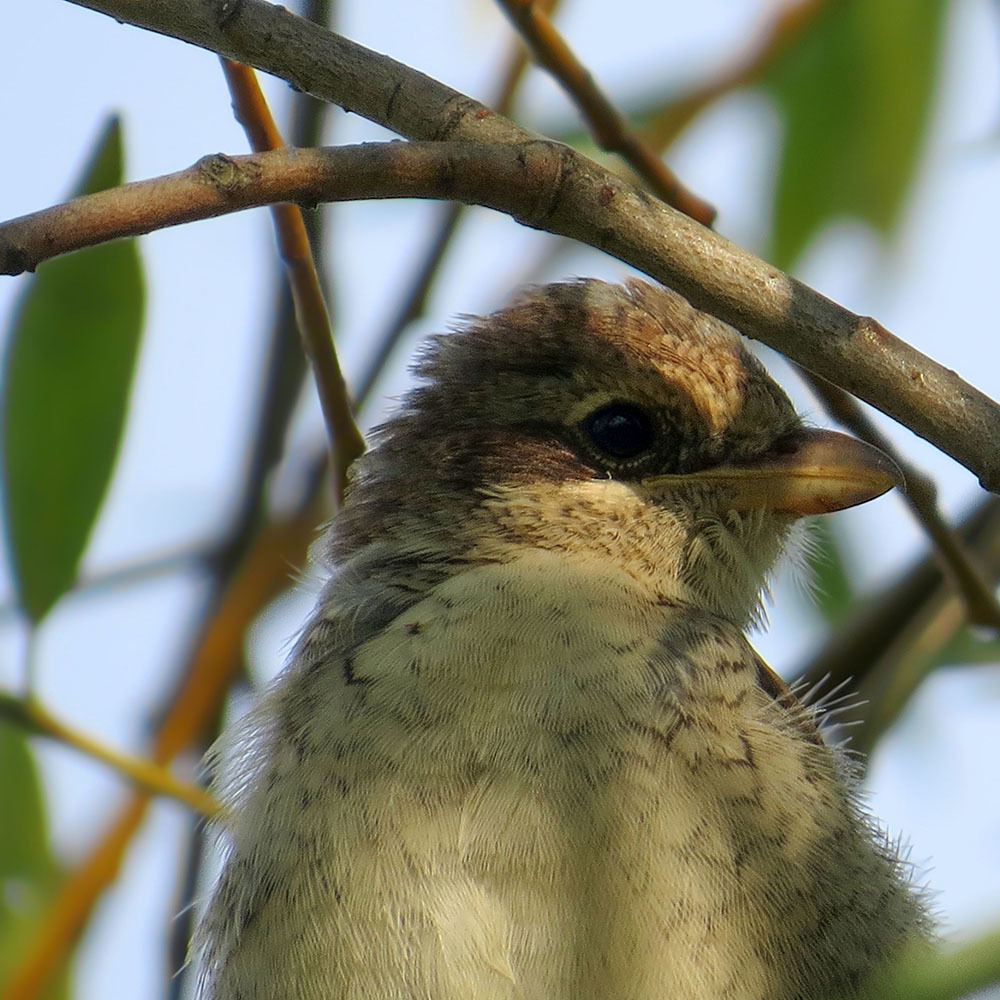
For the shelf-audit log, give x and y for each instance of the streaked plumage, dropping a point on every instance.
(523, 750)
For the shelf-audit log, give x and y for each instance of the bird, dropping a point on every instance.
(523, 748)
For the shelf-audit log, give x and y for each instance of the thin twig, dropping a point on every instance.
(32, 716)
(609, 128)
(346, 442)
(546, 184)
(283, 372)
(921, 497)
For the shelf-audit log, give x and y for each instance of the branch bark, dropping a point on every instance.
(548, 186)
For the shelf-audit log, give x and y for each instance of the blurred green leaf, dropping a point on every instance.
(831, 582)
(950, 972)
(854, 97)
(67, 371)
(28, 872)
(964, 648)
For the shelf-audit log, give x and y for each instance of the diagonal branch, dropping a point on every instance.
(151, 777)
(312, 316)
(546, 185)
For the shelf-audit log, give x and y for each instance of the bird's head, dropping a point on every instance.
(606, 422)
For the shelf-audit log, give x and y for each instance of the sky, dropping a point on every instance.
(103, 656)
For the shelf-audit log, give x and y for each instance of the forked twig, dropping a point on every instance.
(610, 130)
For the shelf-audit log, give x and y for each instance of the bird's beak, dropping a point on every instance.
(806, 472)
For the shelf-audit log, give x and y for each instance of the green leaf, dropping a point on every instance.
(965, 648)
(28, 872)
(66, 374)
(854, 96)
(831, 581)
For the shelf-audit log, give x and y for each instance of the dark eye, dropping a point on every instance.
(620, 430)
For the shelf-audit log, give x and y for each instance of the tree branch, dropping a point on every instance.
(548, 186)
(152, 777)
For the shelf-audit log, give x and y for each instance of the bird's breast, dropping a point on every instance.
(540, 783)
(526, 710)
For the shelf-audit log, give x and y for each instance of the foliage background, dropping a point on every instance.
(865, 159)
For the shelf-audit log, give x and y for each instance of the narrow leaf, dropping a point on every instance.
(28, 872)
(965, 648)
(66, 374)
(854, 97)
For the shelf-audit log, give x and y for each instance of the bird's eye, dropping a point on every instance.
(620, 430)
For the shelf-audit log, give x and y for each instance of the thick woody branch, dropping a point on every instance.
(521, 180)
(548, 186)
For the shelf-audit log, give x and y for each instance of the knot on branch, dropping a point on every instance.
(544, 166)
(225, 174)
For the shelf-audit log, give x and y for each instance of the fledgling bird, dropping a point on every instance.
(523, 750)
